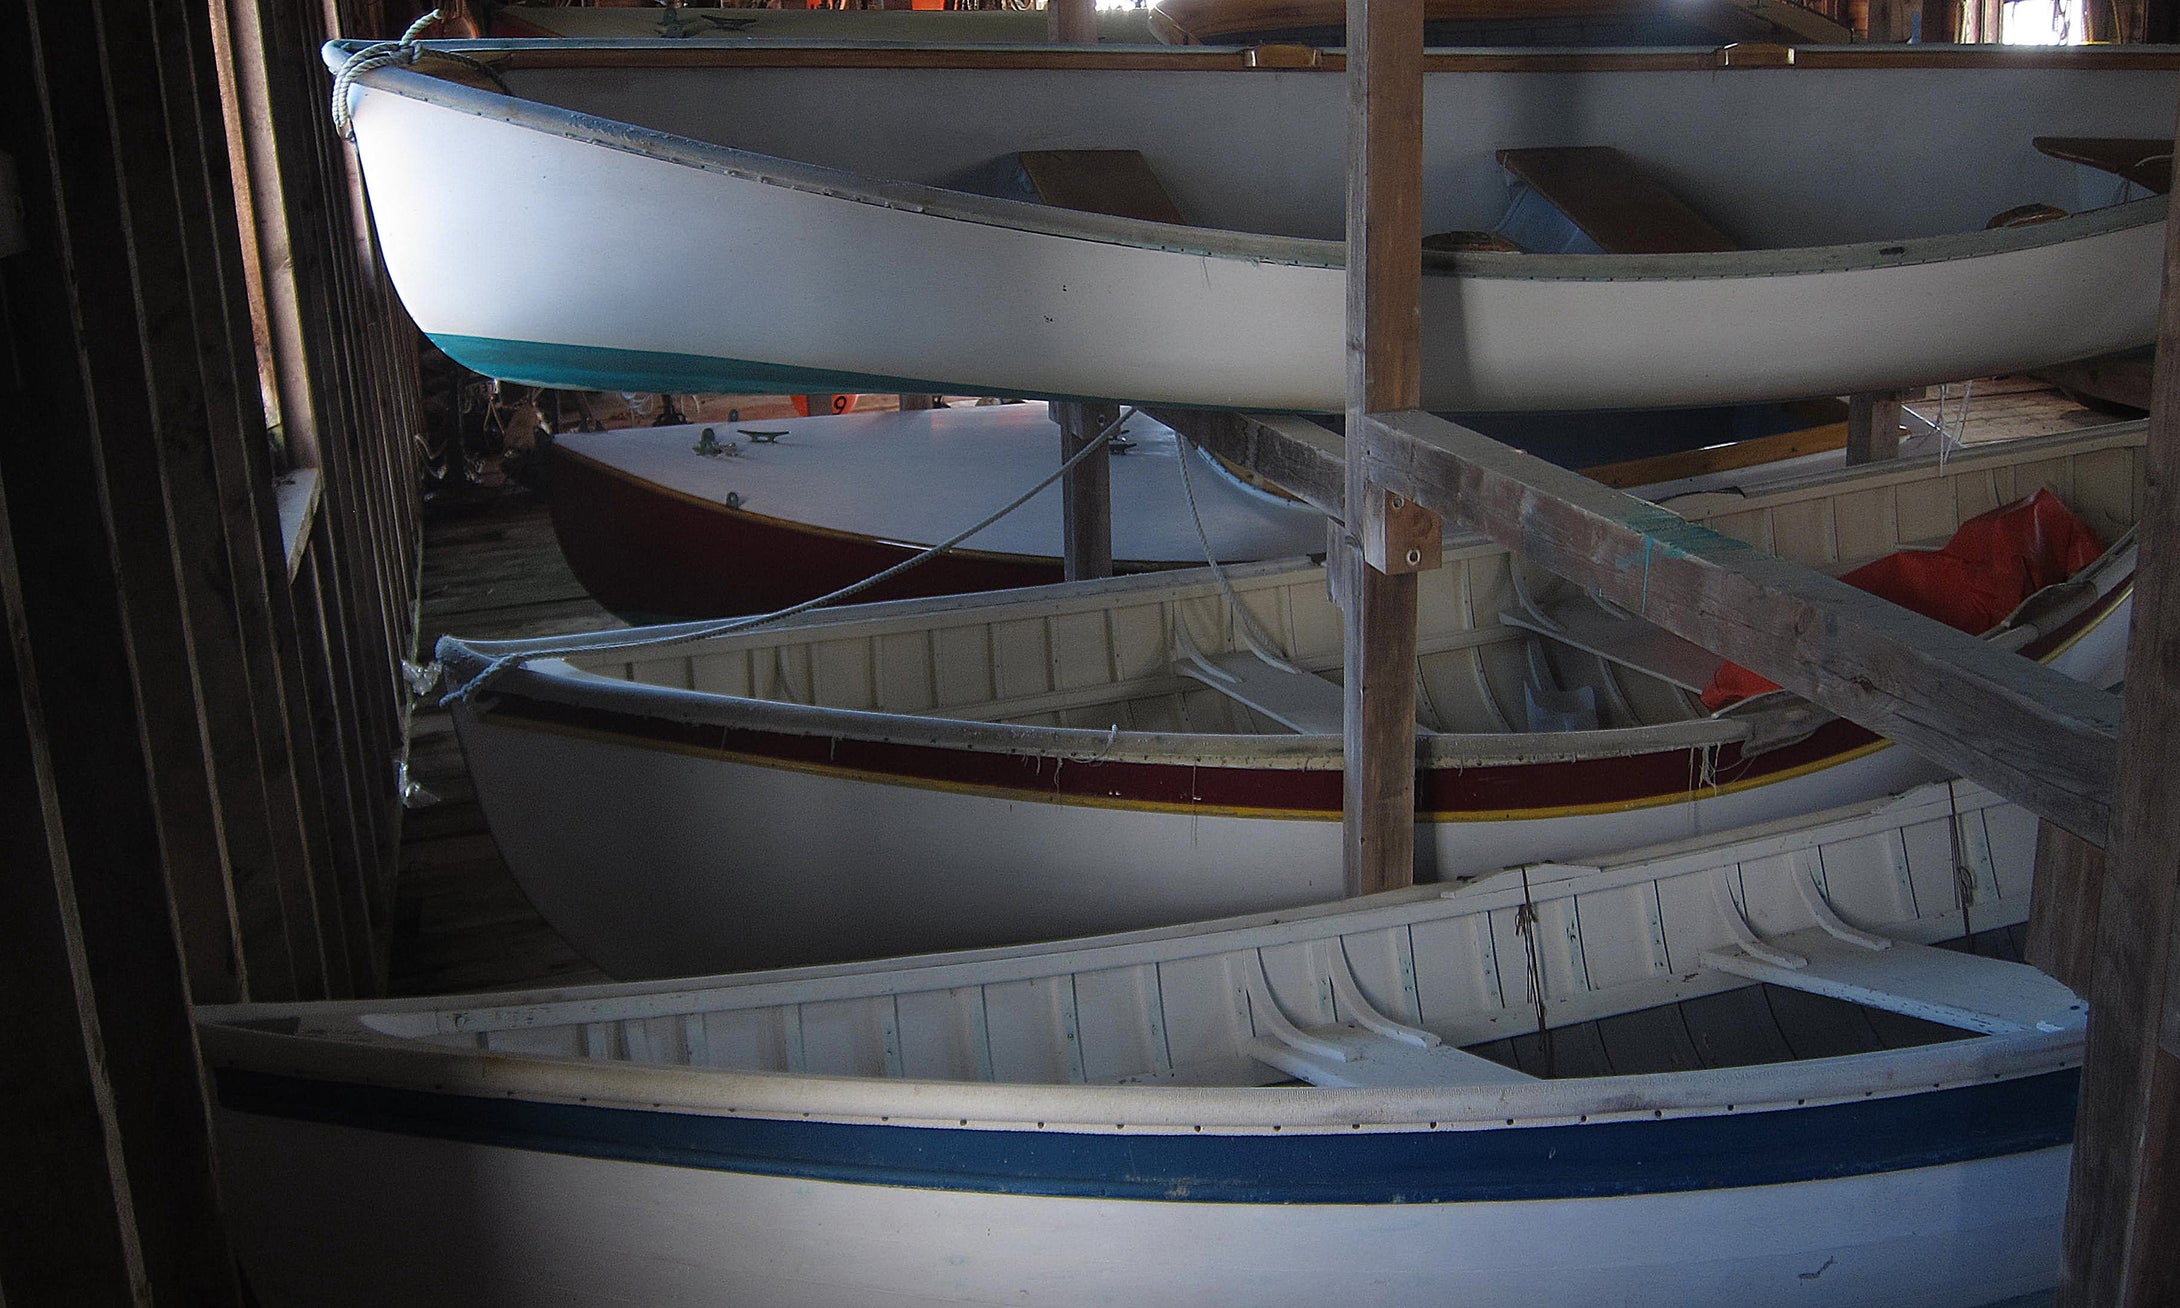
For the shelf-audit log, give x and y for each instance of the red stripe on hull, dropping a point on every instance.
(1450, 791)
(1447, 790)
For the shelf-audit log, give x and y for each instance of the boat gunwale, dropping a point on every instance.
(1519, 885)
(574, 688)
(727, 51)
(600, 466)
(337, 1040)
(1141, 1109)
(1246, 247)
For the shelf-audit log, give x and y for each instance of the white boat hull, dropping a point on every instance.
(391, 1219)
(1286, 1108)
(741, 864)
(874, 285)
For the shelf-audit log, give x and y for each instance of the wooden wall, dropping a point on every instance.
(198, 791)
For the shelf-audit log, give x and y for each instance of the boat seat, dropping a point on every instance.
(1621, 638)
(1297, 700)
(1345, 1054)
(1969, 991)
(1939, 985)
(1116, 182)
(1469, 242)
(2147, 162)
(1614, 202)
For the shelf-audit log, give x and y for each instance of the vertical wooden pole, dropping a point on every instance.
(1873, 427)
(1891, 21)
(1384, 373)
(2063, 902)
(1086, 491)
(2123, 1210)
(1072, 22)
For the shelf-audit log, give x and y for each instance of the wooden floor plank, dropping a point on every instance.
(492, 571)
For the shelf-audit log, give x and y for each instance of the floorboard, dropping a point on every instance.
(491, 571)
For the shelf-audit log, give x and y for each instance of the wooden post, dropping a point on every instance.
(1072, 22)
(2063, 903)
(1384, 372)
(1891, 21)
(2123, 1209)
(1086, 491)
(1873, 427)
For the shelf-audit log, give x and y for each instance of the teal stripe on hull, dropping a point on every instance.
(604, 368)
(600, 368)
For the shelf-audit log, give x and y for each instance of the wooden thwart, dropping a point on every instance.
(2146, 163)
(1116, 182)
(1940, 985)
(1346, 1054)
(1615, 203)
(1300, 701)
(2028, 732)
(1628, 642)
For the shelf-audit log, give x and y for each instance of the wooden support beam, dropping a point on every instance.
(1310, 461)
(2027, 732)
(2123, 1207)
(1384, 372)
(1086, 491)
(1873, 427)
(1291, 452)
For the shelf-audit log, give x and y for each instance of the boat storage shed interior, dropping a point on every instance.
(974, 651)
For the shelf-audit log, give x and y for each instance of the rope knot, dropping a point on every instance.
(405, 52)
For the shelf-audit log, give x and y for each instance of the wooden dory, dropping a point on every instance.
(1562, 23)
(929, 27)
(1209, 22)
(1272, 1111)
(1043, 763)
(805, 507)
(833, 188)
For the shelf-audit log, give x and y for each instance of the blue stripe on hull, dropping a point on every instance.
(1492, 1165)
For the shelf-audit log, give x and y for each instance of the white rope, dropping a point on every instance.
(1950, 438)
(1259, 642)
(492, 670)
(407, 50)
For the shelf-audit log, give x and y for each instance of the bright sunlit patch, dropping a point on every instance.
(2044, 22)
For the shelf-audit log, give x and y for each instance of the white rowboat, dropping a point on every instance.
(1277, 1110)
(1041, 763)
(1826, 228)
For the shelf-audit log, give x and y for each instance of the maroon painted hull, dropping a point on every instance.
(643, 549)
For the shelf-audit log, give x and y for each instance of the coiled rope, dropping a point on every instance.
(492, 670)
(407, 50)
